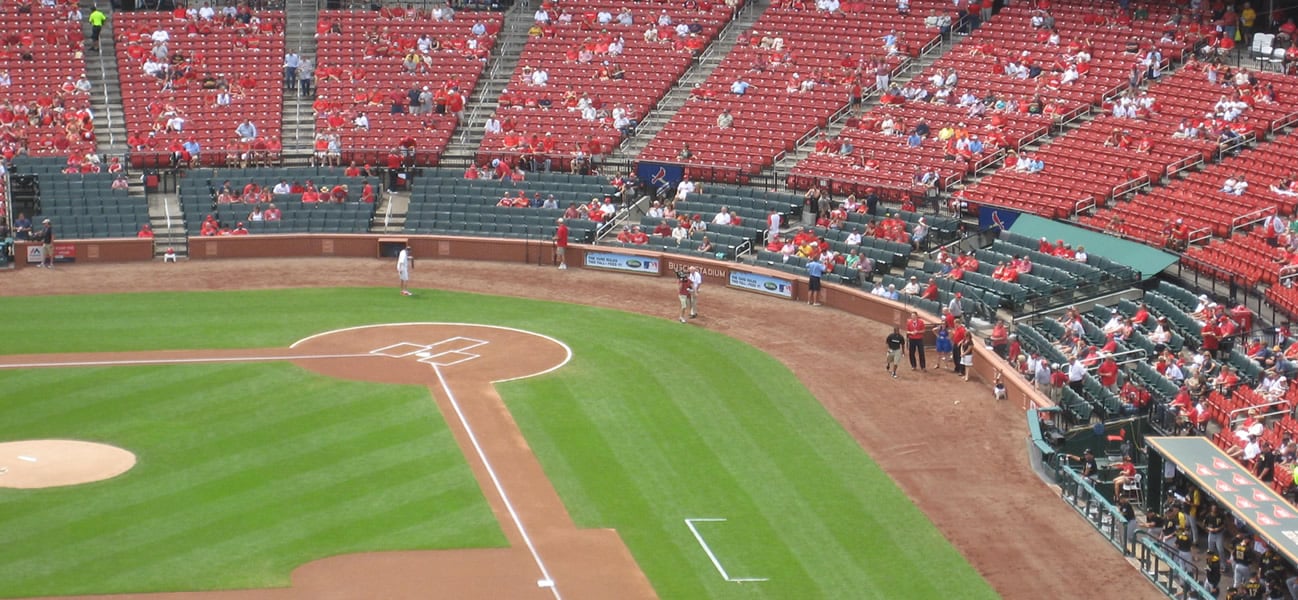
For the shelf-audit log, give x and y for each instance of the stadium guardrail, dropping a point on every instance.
(1080, 493)
(1159, 565)
(1167, 572)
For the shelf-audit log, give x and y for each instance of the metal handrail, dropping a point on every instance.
(1130, 185)
(1234, 414)
(1188, 162)
(1085, 204)
(1247, 219)
(1177, 572)
(1227, 147)
(1287, 274)
(1137, 355)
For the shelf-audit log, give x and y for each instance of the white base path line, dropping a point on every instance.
(175, 361)
(546, 580)
(716, 562)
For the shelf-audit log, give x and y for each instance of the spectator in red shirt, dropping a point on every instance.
(638, 236)
(1108, 372)
(915, 330)
(1211, 338)
(930, 291)
(1127, 474)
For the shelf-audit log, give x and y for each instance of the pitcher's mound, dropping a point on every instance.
(32, 464)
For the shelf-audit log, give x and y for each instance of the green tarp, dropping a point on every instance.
(1148, 261)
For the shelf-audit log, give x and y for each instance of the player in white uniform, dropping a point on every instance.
(696, 282)
(405, 262)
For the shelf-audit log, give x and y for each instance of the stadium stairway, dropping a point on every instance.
(390, 214)
(106, 90)
(168, 226)
(712, 56)
(299, 119)
(482, 102)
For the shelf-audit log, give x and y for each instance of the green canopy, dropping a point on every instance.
(1148, 261)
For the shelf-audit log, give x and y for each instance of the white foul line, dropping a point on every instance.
(176, 361)
(546, 579)
(715, 561)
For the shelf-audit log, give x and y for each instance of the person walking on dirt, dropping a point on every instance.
(683, 291)
(561, 244)
(696, 282)
(893, 358)
(46, 237)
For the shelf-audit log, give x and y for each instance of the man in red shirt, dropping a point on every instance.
(1211, 339)
(1108, 372)
(638, 236)
(930, 292)
(1127, 474)
(561, 243)
(915, 330)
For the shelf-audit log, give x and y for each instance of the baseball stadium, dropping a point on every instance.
(590, 300)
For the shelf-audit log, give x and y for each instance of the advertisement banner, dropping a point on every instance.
(762, 284)
(629, 263)
(63, 253)
(1000, 218)
(660, 176)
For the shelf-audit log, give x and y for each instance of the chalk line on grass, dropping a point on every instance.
(173, 361)
(716, 562)
(546, 580)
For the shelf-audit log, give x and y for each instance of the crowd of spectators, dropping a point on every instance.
(195, 85)
(307, 191)
(44, 92)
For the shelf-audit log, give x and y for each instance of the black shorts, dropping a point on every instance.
(813, 284)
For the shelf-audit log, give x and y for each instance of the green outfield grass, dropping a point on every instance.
(650, 424)
(244, 473)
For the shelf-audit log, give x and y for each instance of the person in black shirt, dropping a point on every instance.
(1214, 523)
(1184, 546)
(1253, 589)
(1212, 572)
(895, 341)
(1128, 517)
(1154, 523)
(1090, 468)
(1264, 466)
(1242, 555)
(46, 238)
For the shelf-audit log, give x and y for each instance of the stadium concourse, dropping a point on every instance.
(863, 136)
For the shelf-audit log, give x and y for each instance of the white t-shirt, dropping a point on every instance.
(403, 262)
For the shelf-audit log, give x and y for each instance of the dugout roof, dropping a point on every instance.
(1235, 488)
